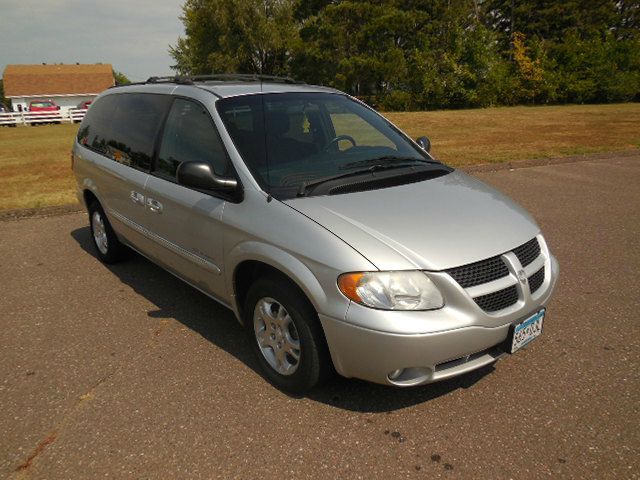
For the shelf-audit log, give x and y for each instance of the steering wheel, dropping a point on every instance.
(335, 141)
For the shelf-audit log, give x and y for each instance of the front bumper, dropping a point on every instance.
(435, 345)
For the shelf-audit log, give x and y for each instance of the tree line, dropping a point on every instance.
(413, 54)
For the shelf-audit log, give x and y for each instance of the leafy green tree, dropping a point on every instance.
(3, 101)
(405, 54)
(357, 46)
(580, 50)
(628, 24)
(595, 70)
(120, 78)
(413, 54)
(242, 36)
(465, 67)
(549, 19)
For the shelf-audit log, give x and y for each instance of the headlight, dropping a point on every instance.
(402, 290)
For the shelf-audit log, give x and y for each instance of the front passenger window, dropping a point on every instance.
(190, 136)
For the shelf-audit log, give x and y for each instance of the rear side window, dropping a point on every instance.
(94, 131)
(124, 127)
(190, 136)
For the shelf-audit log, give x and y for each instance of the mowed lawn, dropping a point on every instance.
(494, 135)
(35, 166)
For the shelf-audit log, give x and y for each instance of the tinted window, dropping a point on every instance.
(124, 127)
(190, 136)
(96, 125)
(245, 123)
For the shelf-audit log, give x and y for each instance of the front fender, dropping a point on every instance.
(327, 299)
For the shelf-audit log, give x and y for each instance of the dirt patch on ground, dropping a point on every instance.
(21, 213)
(537, 162)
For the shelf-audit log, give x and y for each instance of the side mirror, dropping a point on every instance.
(198, 175)
(424, 143)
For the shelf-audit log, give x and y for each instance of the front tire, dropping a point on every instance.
(286, 335)
(108, 248)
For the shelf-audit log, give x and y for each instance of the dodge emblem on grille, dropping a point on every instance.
(522, 277)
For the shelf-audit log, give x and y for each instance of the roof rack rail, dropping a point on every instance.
(181, 80)
(177, 79)
(216, 77)
(243, 77)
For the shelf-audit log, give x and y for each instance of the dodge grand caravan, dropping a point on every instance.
(337, 241)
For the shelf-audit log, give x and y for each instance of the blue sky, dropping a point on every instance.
(133, 35)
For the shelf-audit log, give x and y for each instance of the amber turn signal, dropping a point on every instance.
(348, 284)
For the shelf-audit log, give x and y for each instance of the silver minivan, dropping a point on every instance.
(338, 242)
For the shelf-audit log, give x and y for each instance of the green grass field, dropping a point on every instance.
(35, 166)
(492, 135)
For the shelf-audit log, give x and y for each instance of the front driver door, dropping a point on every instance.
(187, 224)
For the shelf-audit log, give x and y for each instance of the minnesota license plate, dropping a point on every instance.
(525, 331)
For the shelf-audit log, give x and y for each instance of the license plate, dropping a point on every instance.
(524, 332)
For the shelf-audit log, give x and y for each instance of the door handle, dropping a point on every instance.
(136, 197)
(154, 205)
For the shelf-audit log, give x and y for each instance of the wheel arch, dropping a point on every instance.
(89, 196)
(255, 259)
(90, 192)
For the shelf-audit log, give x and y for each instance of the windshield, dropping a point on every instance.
(291, 139)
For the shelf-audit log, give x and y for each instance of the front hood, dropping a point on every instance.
(433, 225)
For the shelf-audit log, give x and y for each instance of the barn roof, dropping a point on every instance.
(44, 80)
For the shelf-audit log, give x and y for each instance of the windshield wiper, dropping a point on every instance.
(305, 186)
(389, 160)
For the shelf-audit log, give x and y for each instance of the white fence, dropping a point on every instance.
(34, 118)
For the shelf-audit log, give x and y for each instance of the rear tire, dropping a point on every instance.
(108, 248)
(286, 335)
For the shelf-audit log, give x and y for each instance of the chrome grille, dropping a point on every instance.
(536, 280)
(495, 301)
(528, 252)
(479, 272)
(494, 268)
